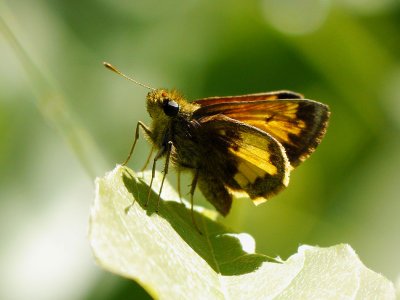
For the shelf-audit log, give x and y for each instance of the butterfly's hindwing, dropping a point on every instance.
(244, 158)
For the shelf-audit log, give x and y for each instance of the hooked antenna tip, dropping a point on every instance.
(109, 66)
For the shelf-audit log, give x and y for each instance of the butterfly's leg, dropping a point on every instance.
(146, 130)
(148, 159)
(153, 170)
(165, 172)
(192, 189)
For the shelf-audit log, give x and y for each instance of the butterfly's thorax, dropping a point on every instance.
(180, 129)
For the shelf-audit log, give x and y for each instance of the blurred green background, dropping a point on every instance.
(64, 120)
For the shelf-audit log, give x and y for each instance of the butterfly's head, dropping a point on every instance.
(163, 104)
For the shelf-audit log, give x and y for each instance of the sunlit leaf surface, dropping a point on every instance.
(171, 260)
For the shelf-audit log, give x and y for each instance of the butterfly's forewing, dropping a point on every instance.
(244, 158)
(250, 97)
(298, 124)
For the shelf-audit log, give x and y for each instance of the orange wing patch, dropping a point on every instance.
(280, 120)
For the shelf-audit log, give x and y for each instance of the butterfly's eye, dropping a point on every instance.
(170, 107)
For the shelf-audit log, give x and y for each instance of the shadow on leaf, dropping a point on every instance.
(221, 249)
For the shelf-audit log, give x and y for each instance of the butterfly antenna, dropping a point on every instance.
(115, 70)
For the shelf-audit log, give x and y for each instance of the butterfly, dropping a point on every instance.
(233, 145)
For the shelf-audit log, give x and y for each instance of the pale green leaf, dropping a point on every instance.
(171, 260)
